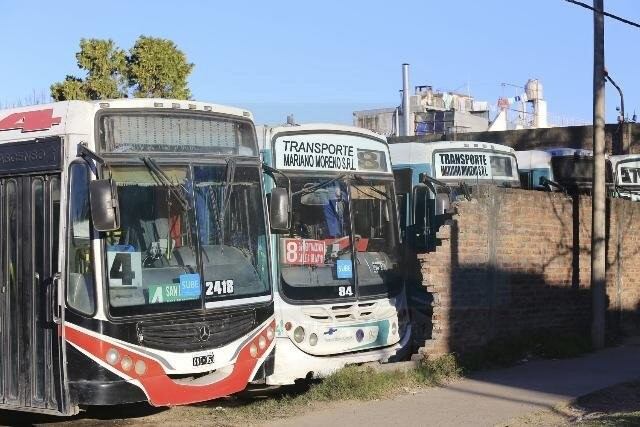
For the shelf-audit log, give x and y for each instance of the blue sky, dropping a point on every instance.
(321, 60)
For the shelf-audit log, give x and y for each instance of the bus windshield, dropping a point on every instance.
(316, 259)
(571, 171)
(153, 260)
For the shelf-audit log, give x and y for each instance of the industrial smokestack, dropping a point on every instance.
(406, 113)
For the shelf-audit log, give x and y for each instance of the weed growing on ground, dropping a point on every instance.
(439, 370)
(615, 420)
(360, 384)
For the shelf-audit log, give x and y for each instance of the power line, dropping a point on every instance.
(610, 15)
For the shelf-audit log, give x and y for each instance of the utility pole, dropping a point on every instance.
(598, 247)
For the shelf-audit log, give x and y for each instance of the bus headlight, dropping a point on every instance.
(112, 356)
(269, 333)
(126, 363)
(313, 339)
(140, 367)
(262, 342)
(253, 350)
(394, 328)
(298, 334)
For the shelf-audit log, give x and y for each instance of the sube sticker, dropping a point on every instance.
(344, 269)
(190, 285)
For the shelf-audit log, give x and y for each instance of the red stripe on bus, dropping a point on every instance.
(162, 390)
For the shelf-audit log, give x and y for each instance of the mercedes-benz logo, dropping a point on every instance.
(204, 333)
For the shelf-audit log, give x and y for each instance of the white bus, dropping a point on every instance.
(134, 254)
(339, 294)
(559, 169)
(429, 176)
(626, 170)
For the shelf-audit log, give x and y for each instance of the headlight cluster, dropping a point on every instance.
(125, 362)
(260, 343)
(299, 334)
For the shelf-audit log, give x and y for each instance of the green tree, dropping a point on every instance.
(106, 68)
(158, 69)
(154, 68)
(71, 88)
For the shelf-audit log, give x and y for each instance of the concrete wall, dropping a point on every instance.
(513, 261)
(527, 139)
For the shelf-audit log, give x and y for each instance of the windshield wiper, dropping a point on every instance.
(229, 180)
(315, 187)
(182, 196)
(371, 187)
(228, 184)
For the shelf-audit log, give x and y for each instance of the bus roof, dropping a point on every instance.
(324, 147)
(533, 159)
(266, 132)
(562, 151)
(76, 117)
(408, 153)
(626, 158)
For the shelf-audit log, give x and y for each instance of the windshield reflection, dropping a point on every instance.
(232, 232)
(172, 256)
(316, 259)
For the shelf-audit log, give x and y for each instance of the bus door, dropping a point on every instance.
(30, 355)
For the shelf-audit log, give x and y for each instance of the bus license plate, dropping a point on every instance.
(206, 359)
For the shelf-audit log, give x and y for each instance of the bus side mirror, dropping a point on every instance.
(279, 210)
(105, 211)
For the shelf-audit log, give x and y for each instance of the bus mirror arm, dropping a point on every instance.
(86, 153)
(465, 190)
(547, 183)
(432, 183)
(280, 213)
(427, 180)
(103, 195)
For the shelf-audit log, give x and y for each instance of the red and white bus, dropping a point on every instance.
(134, 255)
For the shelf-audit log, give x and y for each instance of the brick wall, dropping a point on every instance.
(512, 261)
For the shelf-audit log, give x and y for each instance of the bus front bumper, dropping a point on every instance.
(292, 364)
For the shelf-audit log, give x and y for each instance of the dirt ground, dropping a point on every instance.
(486, 398)
(128, 415)
(231, 411)
(616, 406)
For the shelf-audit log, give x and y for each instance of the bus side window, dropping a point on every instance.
(422, 216)
(401, 203)
(402, 178)
(80, 275)
(525, 180)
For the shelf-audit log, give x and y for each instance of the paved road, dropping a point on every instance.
(490, 397)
